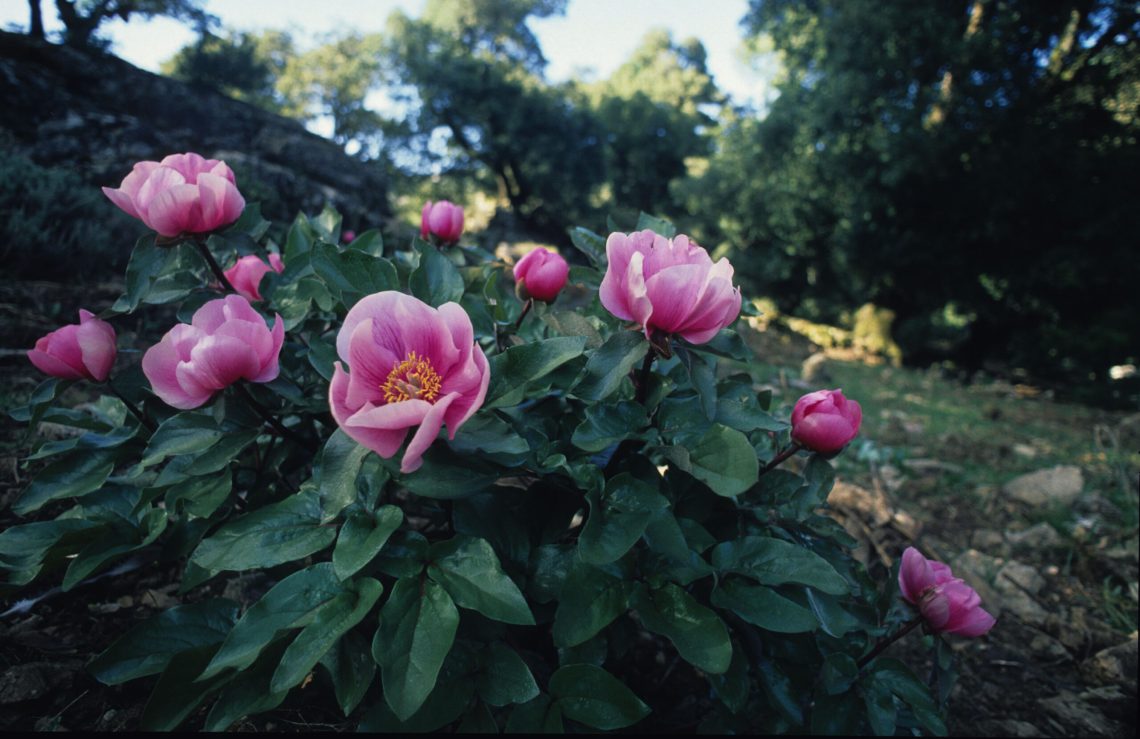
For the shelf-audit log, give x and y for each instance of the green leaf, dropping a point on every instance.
(733, 686)
(724, 460)
(369, 242)
(836, 715)
(478, 720)
(590, 244)
(656, 225)
(362, 537)
(699, 635)
(505, 678)
(539, 716)
(446, 476)
(839, 673)
(119, 540)
(594, 697)
(702, 376)
(146, 649)
(833, 618)
(277, 533)
(292, 603)
(780, 692)
(896, 676)
(352, 274)
(738, 407)
(763, 607)
(176, 694)
(352, 670)
(880, 703)
(417, 629)
(340, 463)
(488, 434)
(776, 562)
(573, 323)
(183, 433)
(590, 600)
(146, 262)
(71, 476)
(248, 692)
(405, 555)
(446, 703)
(333, 621)
(469, 570)
(201, 495)
(608, 424)
(512, 369)
(609, 364)
(619, 519)
(327, 223)
(436, 280)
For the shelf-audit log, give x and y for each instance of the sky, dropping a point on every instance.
(594, 34)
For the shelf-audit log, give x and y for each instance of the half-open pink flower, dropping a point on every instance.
(247, 272)
(443, 220)
(668, 285)
(184, 193)
(82, 351)
(825, 421)
(541, 275)
(409, 365)
(946, 603)
(225, 341)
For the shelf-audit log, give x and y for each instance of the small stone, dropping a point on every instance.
(1022, 575)
(987, 540)
(1048, 647)
(1008, 727)
(977, 569)
(814, 369)
(1076, 715)
(1024, 450)
(1114, 666)
(1060, 485)
(1038, 536)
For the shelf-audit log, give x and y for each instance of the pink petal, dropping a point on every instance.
(222, 204)
(371, 363)
(270, 359)
(123, 200)
(96, 341)
(385, 442)
(471, 399)
(54, 366)
(160, 365)
(159, 179)
(217, 362)
(174, 210)
(612, 292)
(213, 314)
(672, 295)
(915, 575)
(823, 432)
(425, 434)
(976, 622)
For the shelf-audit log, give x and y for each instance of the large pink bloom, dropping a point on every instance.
(668, 285)
(411, 365)
(443, 220)
(184, 193)
(825, 421)
(77, 351)
(541, 274)
(247, 272)
(225, 341)
(946, 603)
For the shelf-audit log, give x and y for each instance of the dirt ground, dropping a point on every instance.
(1056, 664)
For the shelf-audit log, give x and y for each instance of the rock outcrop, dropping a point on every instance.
(96, 114)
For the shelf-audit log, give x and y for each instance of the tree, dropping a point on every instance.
(967, 165)
(36, 20)
(243, 65)
(495, 28)
(81, 18)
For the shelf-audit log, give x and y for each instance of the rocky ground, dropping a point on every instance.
(1052, 549)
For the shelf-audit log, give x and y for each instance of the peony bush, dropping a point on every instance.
(463, 518)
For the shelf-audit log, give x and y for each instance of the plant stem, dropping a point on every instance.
(643, 376)
(884, 643)
(270, 419)
(526, 309)
(776, 460)
(213, 264)
(131, 407)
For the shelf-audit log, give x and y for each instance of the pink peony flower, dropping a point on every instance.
(77, 351)
(541, 275)
(411, 365)
(669, 286)
(225, 341)
(183, 193)
(247, 272)
(825, 421)
(946, 603)
(443, 220)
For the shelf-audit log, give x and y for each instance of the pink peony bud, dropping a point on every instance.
(348, 236)
(411, 365)
(225, 341)
(442, 220)
(247, 272)
(183, 193)
(77, 351)
(541, 274)
(668, 285)
(825, 421)
(946, 603)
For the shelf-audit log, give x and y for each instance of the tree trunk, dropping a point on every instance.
(36, 27)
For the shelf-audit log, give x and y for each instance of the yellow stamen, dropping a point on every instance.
(412, 378)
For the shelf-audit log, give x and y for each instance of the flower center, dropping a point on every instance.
(412, 378)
